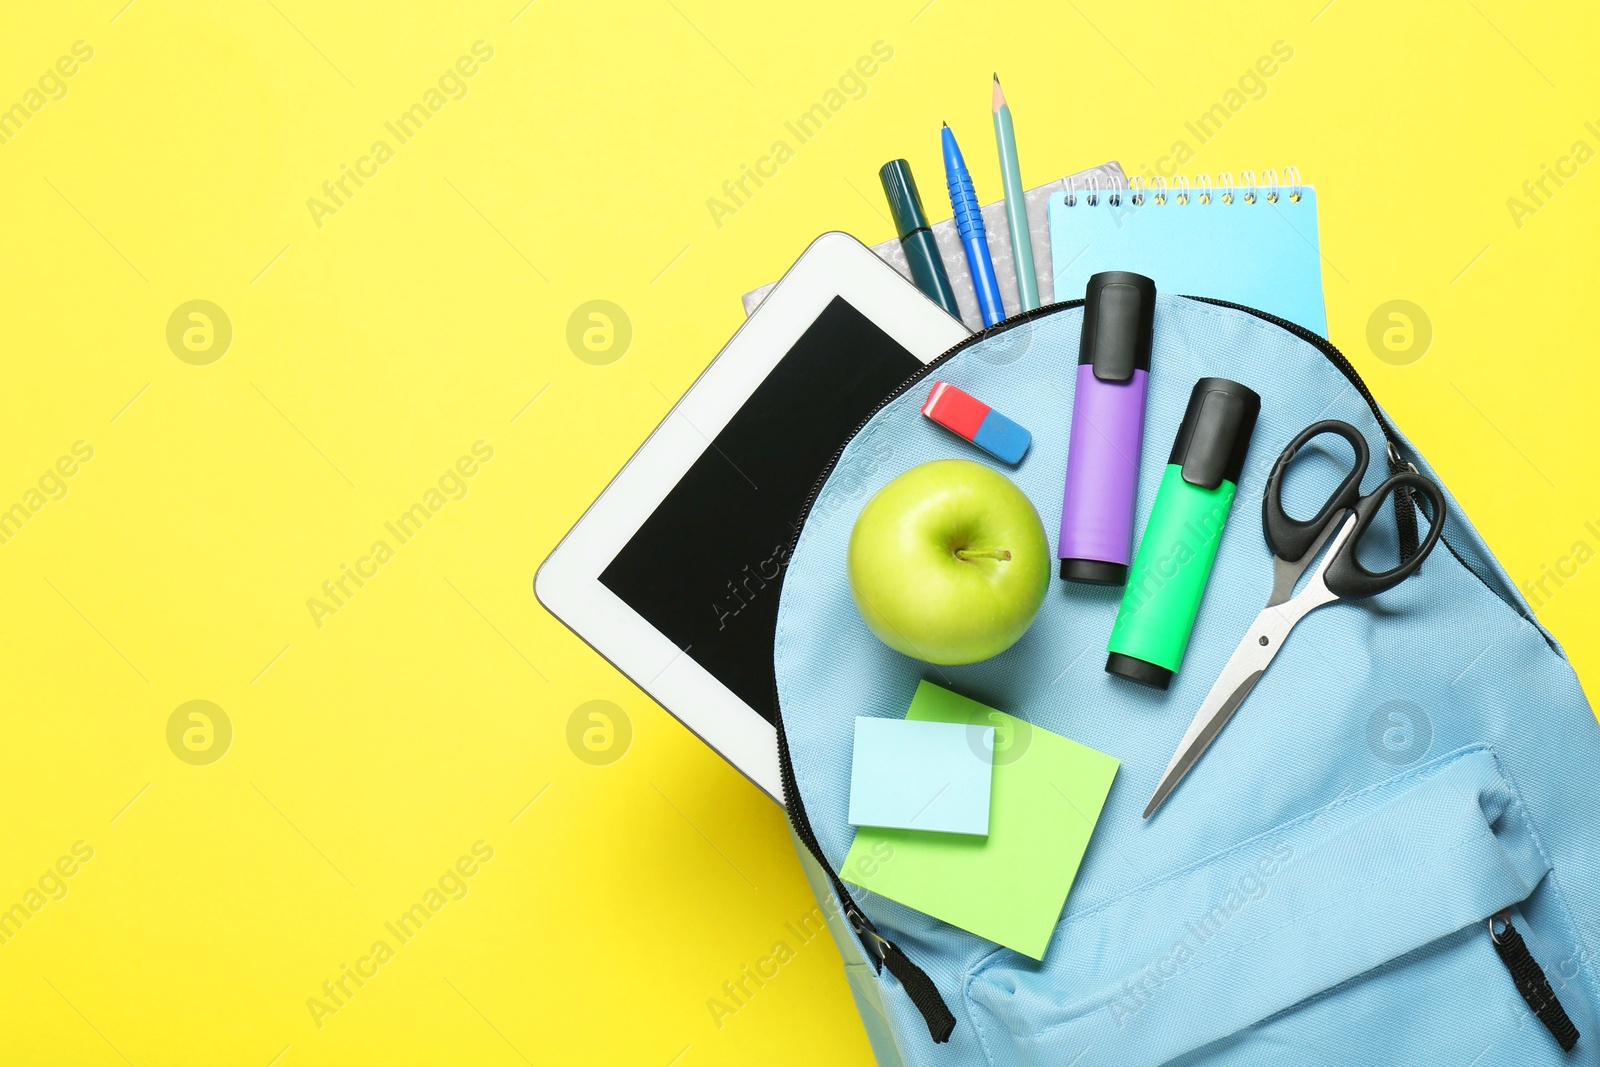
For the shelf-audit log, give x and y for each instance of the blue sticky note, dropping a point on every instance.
(910, 775)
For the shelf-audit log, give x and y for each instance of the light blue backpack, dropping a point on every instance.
(1323, 890)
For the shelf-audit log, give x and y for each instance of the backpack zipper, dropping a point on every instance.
(883, 952)
(1405, 507)
(1405, 516)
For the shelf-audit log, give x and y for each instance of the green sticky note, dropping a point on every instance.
(1009, 887)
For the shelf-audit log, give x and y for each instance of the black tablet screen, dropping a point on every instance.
(705, 567)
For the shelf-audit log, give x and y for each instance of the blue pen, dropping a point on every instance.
(969, 224)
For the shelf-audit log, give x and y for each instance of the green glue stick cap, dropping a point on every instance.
(905, 203)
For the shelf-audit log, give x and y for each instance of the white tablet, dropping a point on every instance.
(673, 573)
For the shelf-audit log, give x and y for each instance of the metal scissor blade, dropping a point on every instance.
(1260, 644)
(1193, 748)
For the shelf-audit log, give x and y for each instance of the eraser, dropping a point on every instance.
(966, 416)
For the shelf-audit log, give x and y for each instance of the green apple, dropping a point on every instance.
(949, 562)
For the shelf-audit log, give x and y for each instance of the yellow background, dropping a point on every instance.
(371, 352)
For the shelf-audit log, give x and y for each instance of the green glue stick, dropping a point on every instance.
(1170, 570)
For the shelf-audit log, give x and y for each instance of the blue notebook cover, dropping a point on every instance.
(1255, 251)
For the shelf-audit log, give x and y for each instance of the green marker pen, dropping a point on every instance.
(1179, 545)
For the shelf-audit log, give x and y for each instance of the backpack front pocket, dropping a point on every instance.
(1357, 934)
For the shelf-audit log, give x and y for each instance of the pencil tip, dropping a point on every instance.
(999, 100)
(946, 125)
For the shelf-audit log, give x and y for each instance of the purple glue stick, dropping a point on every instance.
(1107, 428)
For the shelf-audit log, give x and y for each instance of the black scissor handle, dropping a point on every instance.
(1291, 538)
(1346, 577)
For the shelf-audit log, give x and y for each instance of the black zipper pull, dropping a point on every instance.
(913, 979)
(1531, 982)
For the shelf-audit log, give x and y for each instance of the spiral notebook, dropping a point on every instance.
(1252, 244)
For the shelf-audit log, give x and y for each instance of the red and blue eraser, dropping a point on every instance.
(966, 416)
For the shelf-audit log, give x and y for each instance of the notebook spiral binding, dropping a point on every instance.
(1201, 188)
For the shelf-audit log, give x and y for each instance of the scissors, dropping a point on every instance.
(1295, 543)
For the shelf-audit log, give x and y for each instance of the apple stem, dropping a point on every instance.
(968, 554)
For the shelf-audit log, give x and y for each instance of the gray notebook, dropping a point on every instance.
(1105, 176)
